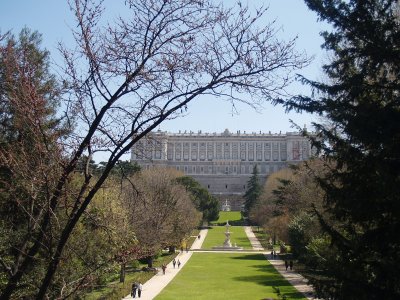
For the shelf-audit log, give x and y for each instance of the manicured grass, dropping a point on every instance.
(221, 276)
(216, 237)
(230, 216)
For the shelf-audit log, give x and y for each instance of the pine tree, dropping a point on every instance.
(30, 158)
(253, 191)
(362, 103)
(202, 199)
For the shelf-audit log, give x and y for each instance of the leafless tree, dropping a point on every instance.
(127, 76)
(161, 210)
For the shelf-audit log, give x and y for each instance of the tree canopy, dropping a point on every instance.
(253, 191)
(361, 147)
(123, 77)
(202, 199)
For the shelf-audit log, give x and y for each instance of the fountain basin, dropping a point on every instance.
(224, 248)
(227, 246)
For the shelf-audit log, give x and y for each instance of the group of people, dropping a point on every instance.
(187, 249)
(289, 264)
(176, 262)
(136, 287)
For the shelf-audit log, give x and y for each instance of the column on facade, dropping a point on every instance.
(198, 152)
(173, 150)
(279, 151)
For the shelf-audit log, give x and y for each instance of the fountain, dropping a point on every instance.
(226, 206)
(227, 243)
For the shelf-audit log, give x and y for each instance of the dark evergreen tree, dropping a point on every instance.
(30, 158)
(202, 199)
(361, 145)
(253, 191)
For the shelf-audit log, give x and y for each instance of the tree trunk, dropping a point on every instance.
(150, 261)
(122, 273)
(15, 279)
(11, 285)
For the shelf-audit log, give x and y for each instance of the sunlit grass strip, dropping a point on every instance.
(216, 237)
(221, 276)
(230, 216)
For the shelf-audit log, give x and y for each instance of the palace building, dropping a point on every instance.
(222, 162)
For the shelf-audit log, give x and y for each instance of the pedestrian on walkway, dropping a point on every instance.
(181, 249)
(187, 249)
(174, 262)
(133, 290)
(179, 263)
(163, 267)
(291, 265)
(199, 236)
(140, 288)
(286, 264)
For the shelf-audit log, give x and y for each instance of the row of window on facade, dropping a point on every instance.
(208, 151)
(231, 169)
(226, 186)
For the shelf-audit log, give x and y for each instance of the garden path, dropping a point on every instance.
(159, 281)
(295, 279)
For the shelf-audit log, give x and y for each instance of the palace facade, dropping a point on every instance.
(222, 162)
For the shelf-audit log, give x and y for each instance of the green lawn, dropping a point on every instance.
(230, 216)
(227, 276)
(216, 237)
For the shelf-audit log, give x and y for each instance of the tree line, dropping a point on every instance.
(340, 211)
(123, 78)
(116, 84)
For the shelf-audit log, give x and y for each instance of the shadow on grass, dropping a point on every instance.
(270, 277)
(272, 280)
(255, 256)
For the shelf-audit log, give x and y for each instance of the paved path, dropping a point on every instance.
(295, 279)
(252, 238)
(159, 281)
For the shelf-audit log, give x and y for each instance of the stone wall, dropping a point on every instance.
(225, 184)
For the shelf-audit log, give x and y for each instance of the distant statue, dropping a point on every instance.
(226, 206)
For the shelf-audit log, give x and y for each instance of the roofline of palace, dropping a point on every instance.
(226, 133)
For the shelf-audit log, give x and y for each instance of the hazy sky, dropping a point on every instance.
(53, 19)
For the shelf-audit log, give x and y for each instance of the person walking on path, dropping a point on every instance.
(163, 267)
(134, 288)
(139, 289)
(291, 265)
(174, 262)
(179, 263)
(286, 264)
